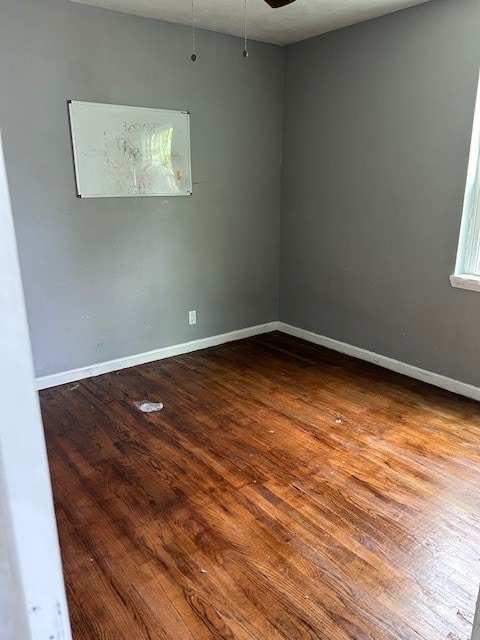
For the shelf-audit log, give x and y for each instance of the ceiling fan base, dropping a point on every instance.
(277, 4)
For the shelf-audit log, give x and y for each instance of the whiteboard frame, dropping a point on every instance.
(75, 146)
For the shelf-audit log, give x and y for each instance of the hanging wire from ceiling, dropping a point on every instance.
(245, 42)
(193, 57)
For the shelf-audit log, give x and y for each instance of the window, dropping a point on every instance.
(467, 267)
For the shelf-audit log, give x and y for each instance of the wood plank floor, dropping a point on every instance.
(284, 492)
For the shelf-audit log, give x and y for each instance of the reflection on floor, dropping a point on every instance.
(283, 492)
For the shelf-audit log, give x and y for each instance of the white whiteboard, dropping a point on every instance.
(130, 151)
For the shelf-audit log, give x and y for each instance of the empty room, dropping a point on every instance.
(239, 364)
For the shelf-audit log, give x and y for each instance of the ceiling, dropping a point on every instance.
(297, 21)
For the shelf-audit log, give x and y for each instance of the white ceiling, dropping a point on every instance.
(297, 21)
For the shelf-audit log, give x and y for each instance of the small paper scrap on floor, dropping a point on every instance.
(148, 407)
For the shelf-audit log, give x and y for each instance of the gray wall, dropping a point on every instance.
(376, 134)
(377, 130)
(113, 277)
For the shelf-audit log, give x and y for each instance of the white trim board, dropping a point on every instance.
(41, 609)
(45, 382)
(435, 379)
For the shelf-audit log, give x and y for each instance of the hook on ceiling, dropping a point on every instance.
(275, 4)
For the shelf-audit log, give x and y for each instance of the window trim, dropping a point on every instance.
(468, 252)
(465, 281)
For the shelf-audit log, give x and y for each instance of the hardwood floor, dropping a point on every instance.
(284, 492)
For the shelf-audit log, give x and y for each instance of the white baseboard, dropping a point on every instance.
(44, 382)
(436, 379)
